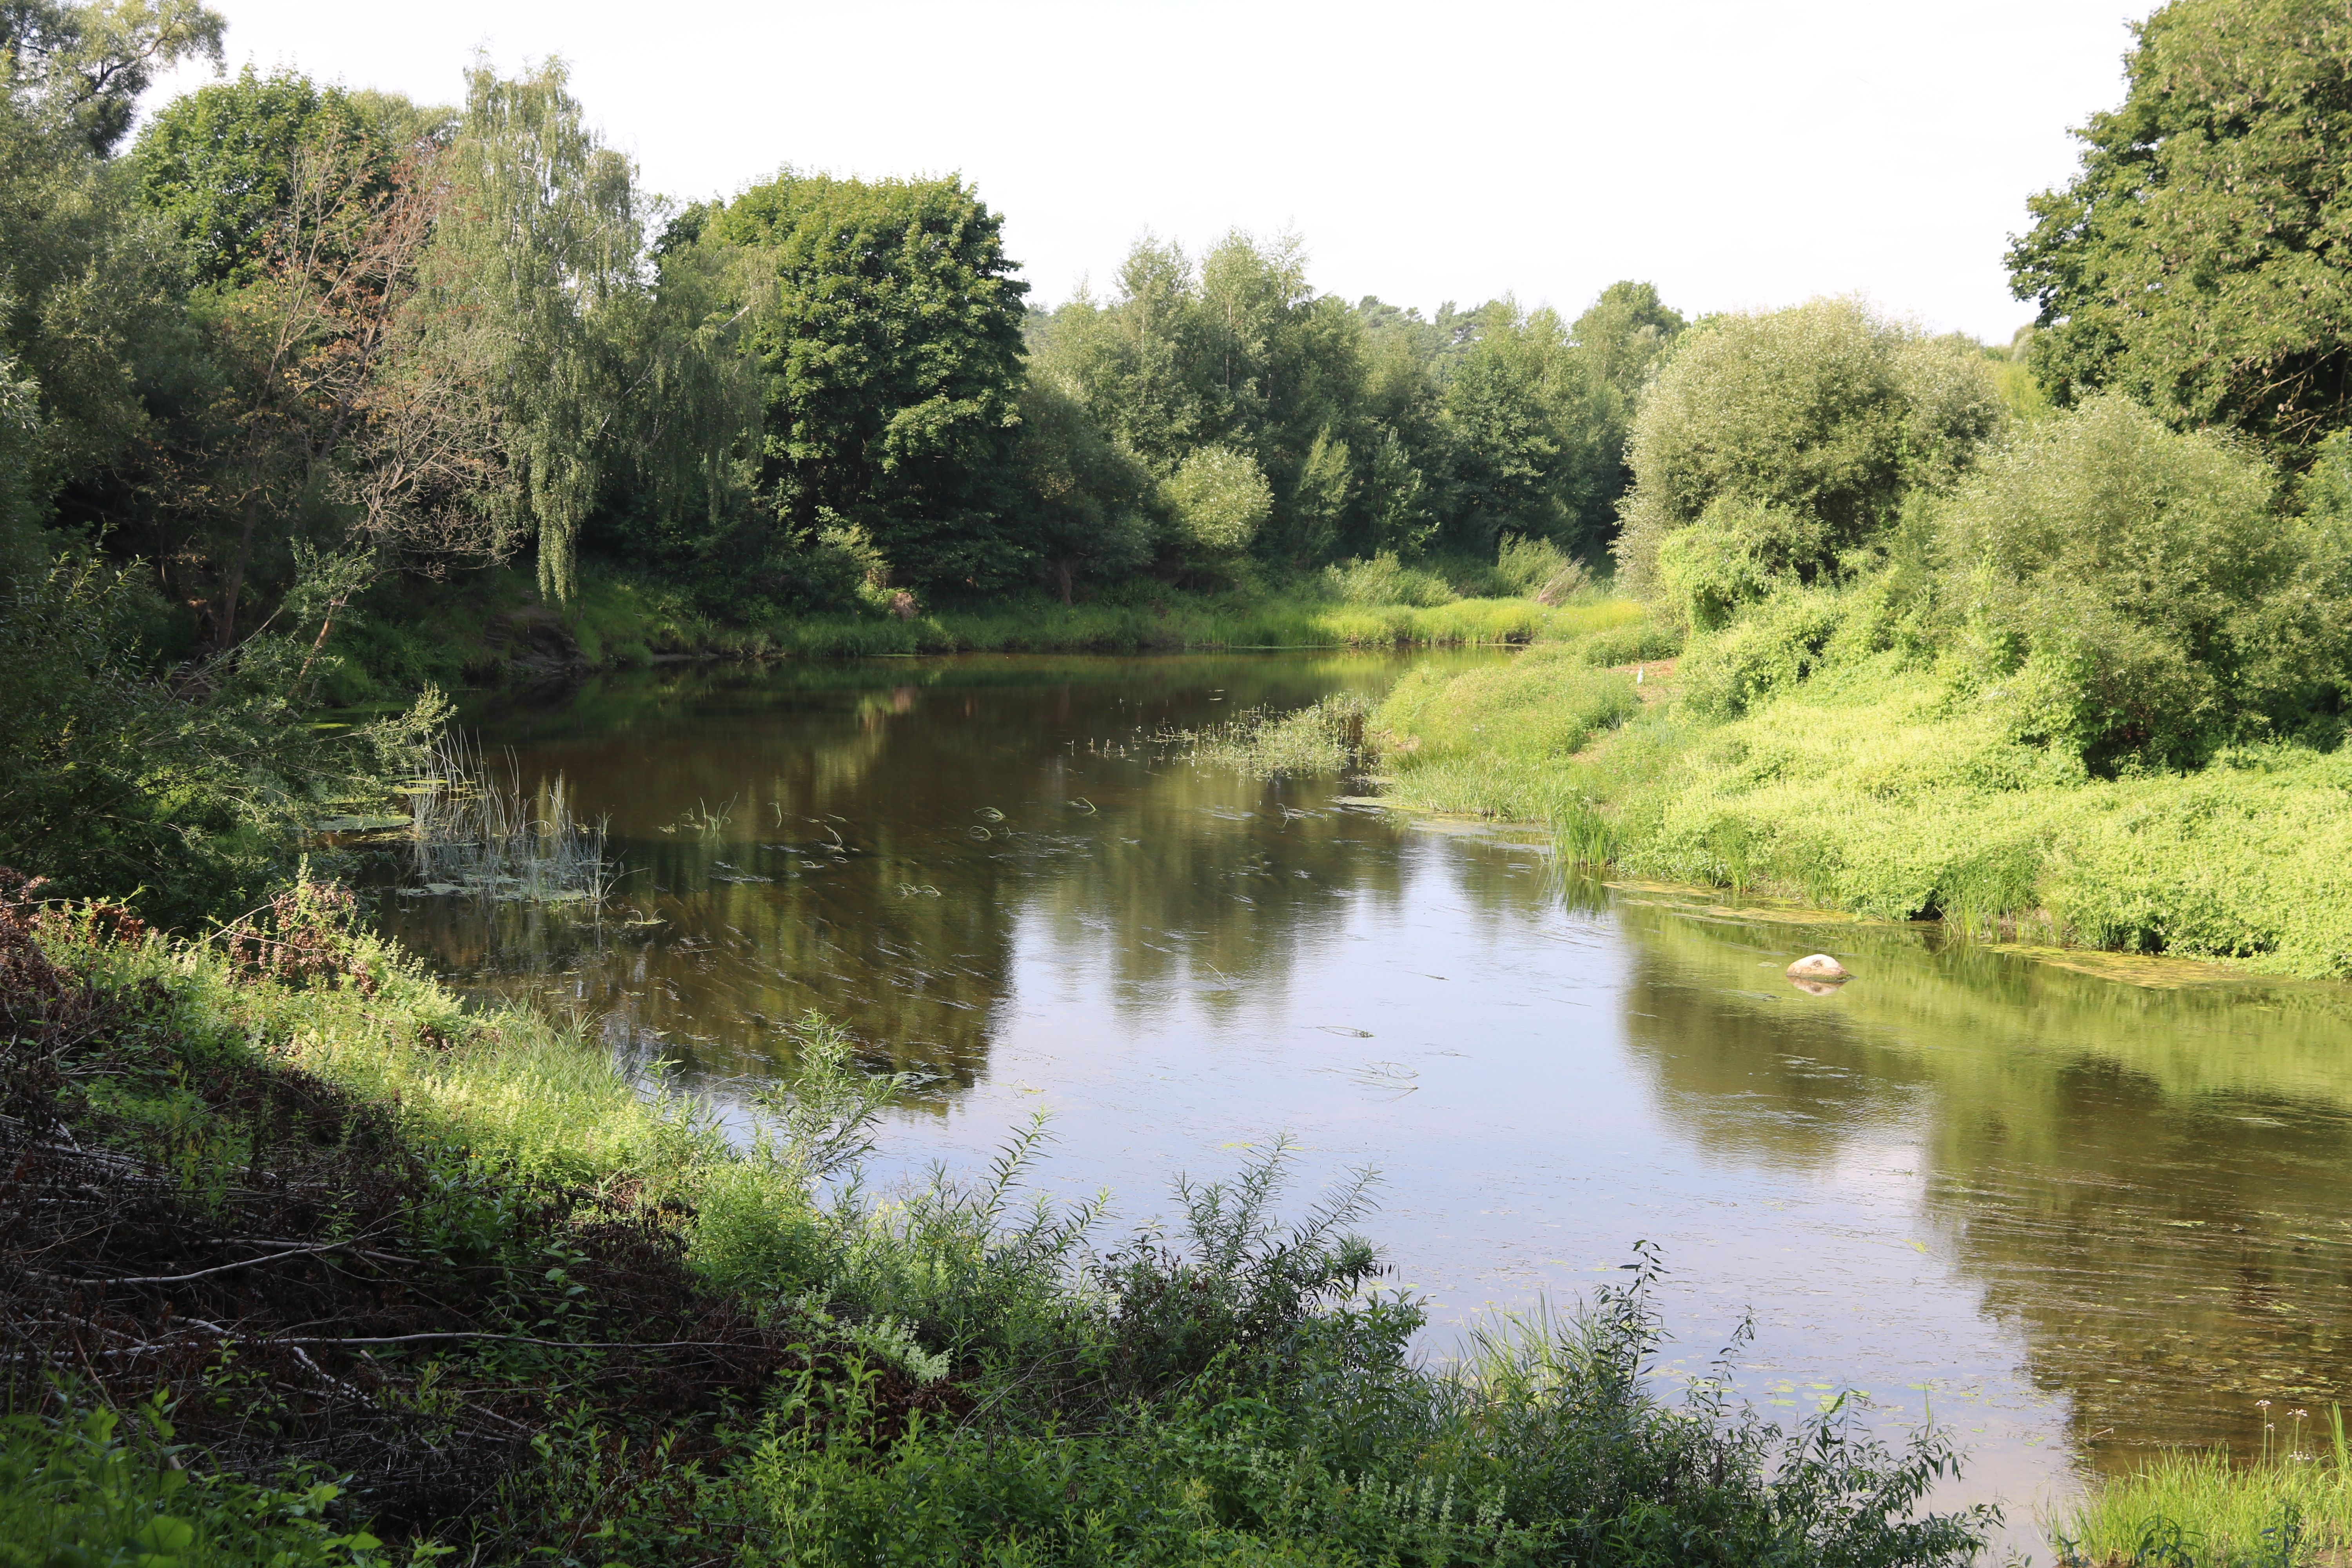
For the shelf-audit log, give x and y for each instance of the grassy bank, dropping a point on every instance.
(2198, 1510)
(1871, 784)
(307, 1265)
(490, 625)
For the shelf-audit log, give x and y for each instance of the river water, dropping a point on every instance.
(2078, 1208)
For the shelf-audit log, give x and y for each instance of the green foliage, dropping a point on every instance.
(1385, 580)
(1325, 736)
(534, 288)
(1812, 424)
(1545, 703)
(1376, 430)
(111, 781)
(1624, 333)
(1217, 500)
(1539, 433)
(222, 164)
(2196, 261)
(2132, 593)
(1869, 784)
(98, 1488)
(1766, 652)
(1085, 494)
(972, 1378)
(88, 324)
(85, 66)
(2190, 1510)
(1540, 569)
(887, 327)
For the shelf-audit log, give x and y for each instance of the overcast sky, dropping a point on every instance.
(1736, 154)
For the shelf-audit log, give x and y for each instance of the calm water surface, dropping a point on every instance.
(2080, 1216)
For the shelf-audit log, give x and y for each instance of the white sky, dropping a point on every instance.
(1736, 154)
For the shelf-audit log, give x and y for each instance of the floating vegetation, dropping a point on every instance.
(474, 829)
(699, 820)
(1326, 737)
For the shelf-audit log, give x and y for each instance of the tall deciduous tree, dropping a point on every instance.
(2202, 259)
(536, 286)
(886, 321)
(1795, 435)
(86, 65)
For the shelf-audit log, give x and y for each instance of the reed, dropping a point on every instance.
(474, 828)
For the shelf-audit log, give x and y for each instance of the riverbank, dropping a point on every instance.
(2289, 1505)
(491, 626)
(334, 1270)
(1869, 787)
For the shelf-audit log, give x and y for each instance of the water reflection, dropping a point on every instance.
(2084, 1215)
(2149, 1183)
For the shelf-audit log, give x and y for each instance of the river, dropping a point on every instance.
(2078, 1207)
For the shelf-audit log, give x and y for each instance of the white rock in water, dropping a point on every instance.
(1818, 966)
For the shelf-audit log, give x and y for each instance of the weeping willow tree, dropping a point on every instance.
(538, 285)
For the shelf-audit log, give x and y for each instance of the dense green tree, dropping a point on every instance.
(90, 323)
(536, 288)
(1538, 434)
(85, 66)
(2128, 591)
(2202, 259)
(888, 324)
(222, 163)
(1372, 428)
(1083, 494)
(1791, 438)
(1623, 332)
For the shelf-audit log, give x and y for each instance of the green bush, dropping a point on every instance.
(96, 1488)
(1539, 569)
(1765, 652)
(192, 793)
(2133, 594)
(1642, 642)
(1384, 579)
(1825, 410)
(1218, 500)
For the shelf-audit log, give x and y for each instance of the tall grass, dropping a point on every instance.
(2291, 1505)
(474, 828)
(1325, 736)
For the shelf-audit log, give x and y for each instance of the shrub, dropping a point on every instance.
(94, 1486)
(1826, 410)
(2132, 593)
(1540, 569)
(1218, 499)
(1384, 579)
(195, 792)
(1639, 642)
(1767, 651)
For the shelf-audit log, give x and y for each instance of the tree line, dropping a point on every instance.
(290, 338)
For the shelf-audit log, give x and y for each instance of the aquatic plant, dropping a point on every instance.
(474, 828)
(1325, 736)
